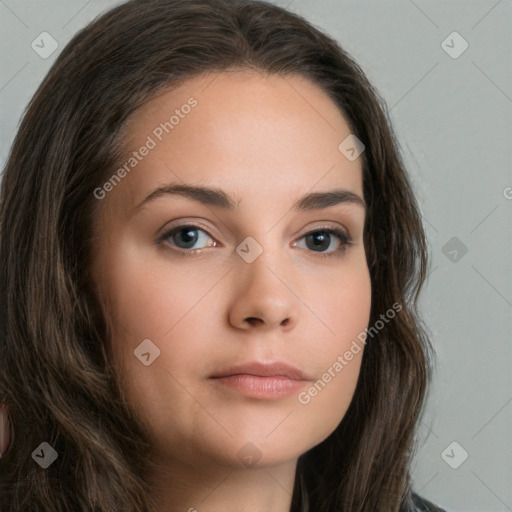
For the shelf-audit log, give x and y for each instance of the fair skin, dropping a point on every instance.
(266, 142)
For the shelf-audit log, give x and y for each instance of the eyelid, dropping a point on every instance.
(326, 225)
(184, 224)
(198, 224)
(167, 232)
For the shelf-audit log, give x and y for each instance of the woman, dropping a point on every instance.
(259, 372)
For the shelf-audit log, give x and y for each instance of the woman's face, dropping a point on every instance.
(256, 280)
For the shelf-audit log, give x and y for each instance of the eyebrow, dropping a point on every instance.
(218, 198)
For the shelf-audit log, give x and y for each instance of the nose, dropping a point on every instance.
(264, 297)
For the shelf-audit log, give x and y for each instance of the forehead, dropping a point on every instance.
(254, 134)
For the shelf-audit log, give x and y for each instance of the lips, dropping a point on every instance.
(263, 369)
(261, 380)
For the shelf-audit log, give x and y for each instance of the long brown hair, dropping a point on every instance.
(55, 375)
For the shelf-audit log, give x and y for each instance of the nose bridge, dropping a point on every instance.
(258, 257)
(264, 256)
(260, 245)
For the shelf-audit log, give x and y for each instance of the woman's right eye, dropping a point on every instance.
(184, 237)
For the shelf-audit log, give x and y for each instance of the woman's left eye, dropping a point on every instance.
(320, 238)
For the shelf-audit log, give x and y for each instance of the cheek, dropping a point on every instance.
(156, 301)
(162, 305)
(151, 299)
(343, 311)
(328, 398)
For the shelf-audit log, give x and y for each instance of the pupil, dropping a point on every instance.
(323, 237)
(189, 239)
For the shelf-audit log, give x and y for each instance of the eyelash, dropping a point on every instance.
(346, 241)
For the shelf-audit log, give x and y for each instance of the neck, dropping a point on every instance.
(209, 488)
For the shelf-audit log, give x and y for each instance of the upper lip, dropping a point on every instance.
(263, 369)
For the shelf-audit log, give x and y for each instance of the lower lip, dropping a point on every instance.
(269, 388)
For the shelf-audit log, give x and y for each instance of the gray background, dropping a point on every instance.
(453, 118)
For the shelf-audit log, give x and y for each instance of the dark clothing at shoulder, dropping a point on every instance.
(423, 505)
